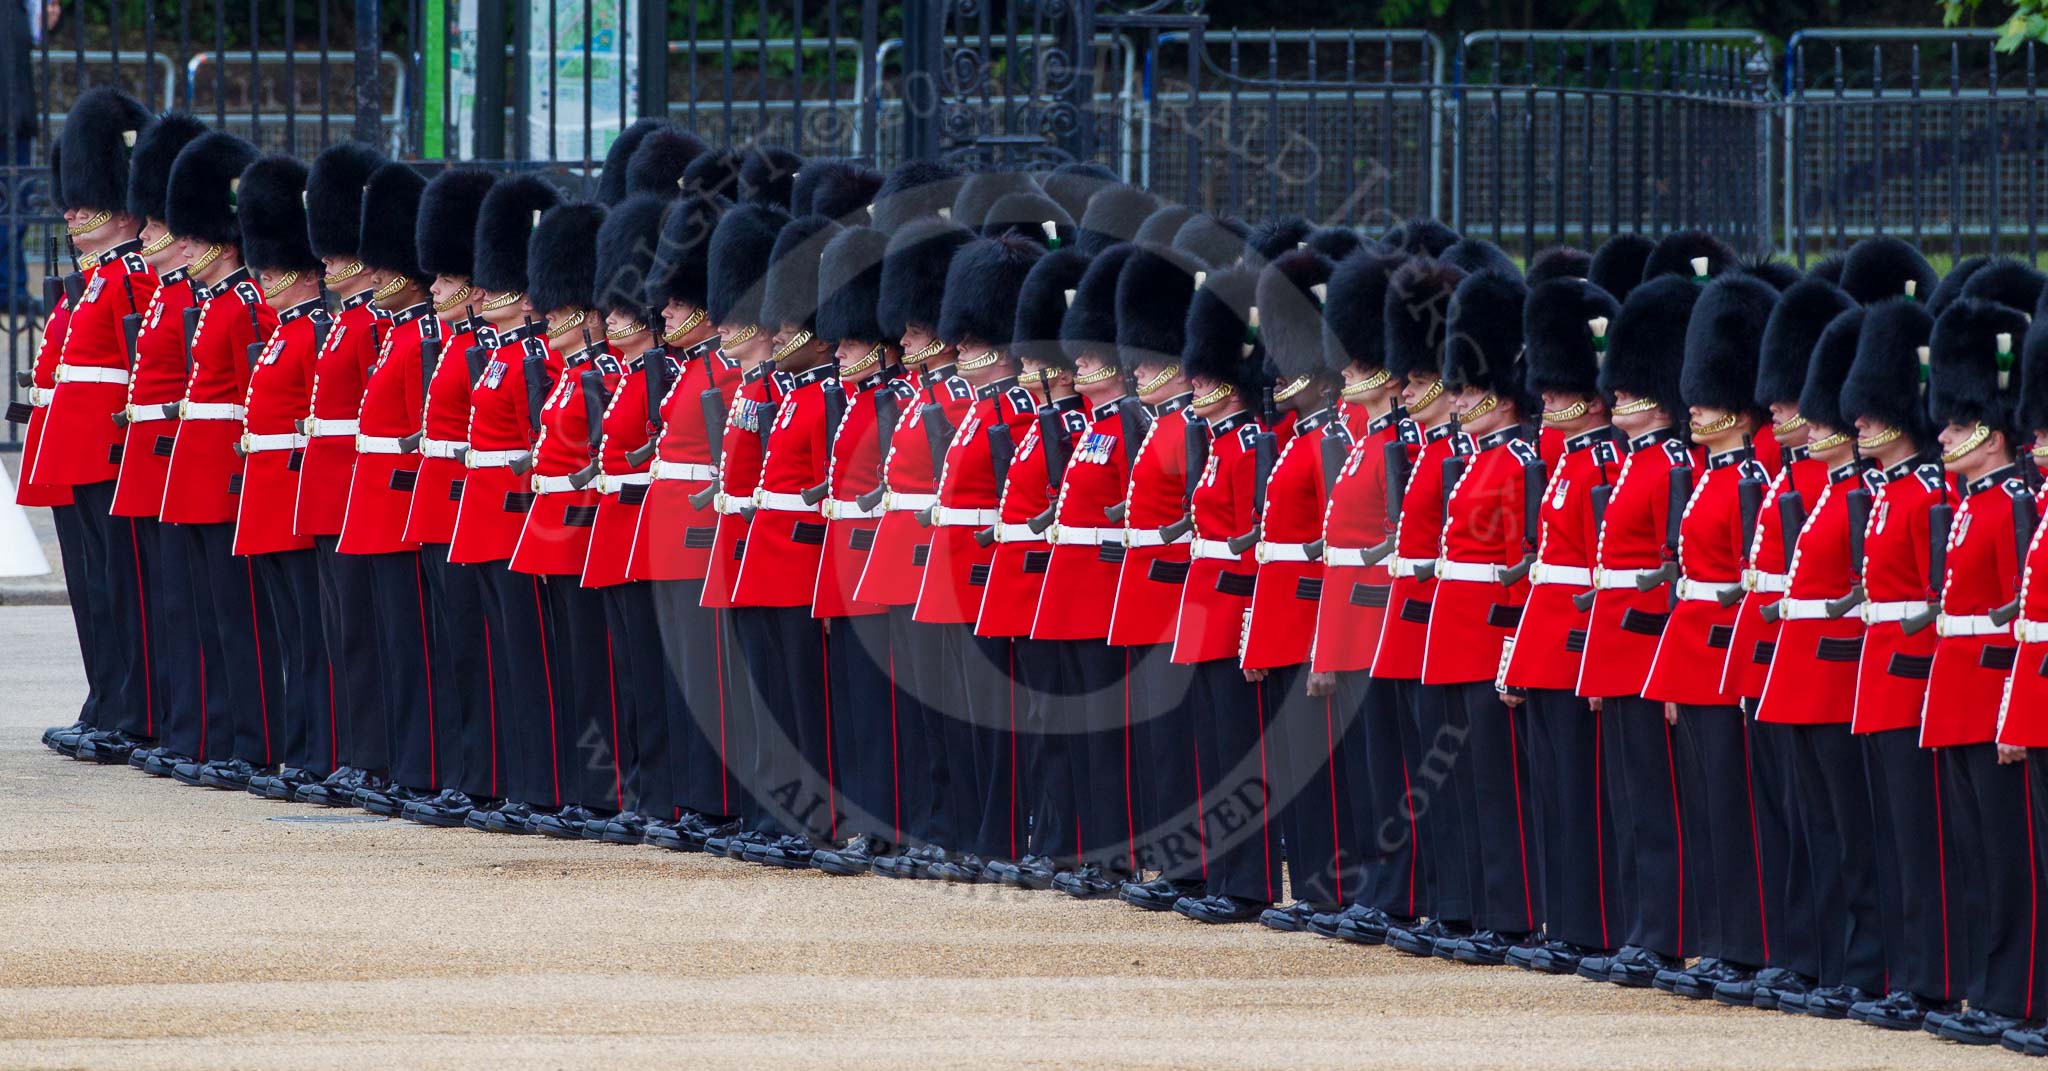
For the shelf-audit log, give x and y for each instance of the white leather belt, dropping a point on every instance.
(1018, 533)
(1878, 613)
(449, 449)
(1769, 583)
(839, 509)
(1411, 566)
(143, 414)
(317, 428)
(609, 484)
(491, 459)
(1477, 572)
(894, 501)
(548, 485)
(1067, 535)
(40, 396)
(378, 444)
(1282, 552)
(948, 517)
(1575, 575)
(782, 502)
(262, 444)
(1705, 590)
(1966, 625)
(210, 411)
(1343, 556)
(1211, 550)
(730, 505)
(683, 470)
(1790, 609)
(2030, 631)
(1151, 537)
(85, 373)
(1612, 579)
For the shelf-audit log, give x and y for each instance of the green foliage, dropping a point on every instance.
(2028, 22)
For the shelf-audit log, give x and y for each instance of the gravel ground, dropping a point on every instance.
(151, 925)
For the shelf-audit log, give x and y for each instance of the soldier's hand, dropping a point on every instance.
(1593, 704)
(2008, 754)
(1321, 685)
(1254, 675)
(1671, 713)
(1511, 699)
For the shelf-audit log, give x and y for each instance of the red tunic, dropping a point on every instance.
(1484, 521)
(850, 530)
(786, 535)
(205, 474)
(1694, 648)
(280, 395)
(495, 499)
(1405, 630)
(1080, 581)
(1148, 584)
(394, 401)
(1967, 681)
(1749, 654)
(1355, 520)
(1553, 630)
(157, 381)
(1282, 626)
(1813, 672)
(338, 376)
(2023, 714)
(1891, 676)
(35, 411)
(950, 592)
(1622, 634)
(83, 443)
(1218, 593)
(621, 485)
(556, 537)
(436, 496)
(671, 538)
(739, 472)
(895, 568)
(1016, 576)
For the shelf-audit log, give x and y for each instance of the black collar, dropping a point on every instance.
(935, 375)
(1904, 468)
(1384, 421)
(814, 374)
(1848, 470)
(1990, 480)
(1728, 457)
(1497, 438)
(758, 373)
(1106, 410)
(410, 313)
(1309, 423)
(359, 298)
(1174, 404)
(585, 355)
(879, 379)
(1229, 425)
(1441, 431)
(990, 390)
(515, 336)
(202, 293)
(1652, 438)
(175, 275)
(1070, 404)
(709, 345)
(468, 325)
(1795, 454)
(303, 308)
(1585, 439)
(132, 245)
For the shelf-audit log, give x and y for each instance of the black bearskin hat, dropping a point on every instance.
(1675, 253)
(850, 285)
(1221, 345)
(99, 135)
(1559, 262)
(1618, 264)
(2034, 378)
(1336, 243)
(1722, 341)
(1271, 238)
(839, 190)
(273, 217)
(1829, 268)
(1354, 317)
(768, 175)
(157, 147)
(561, 257)
(714, 174)
(1963, 387)
(200, 202)
(334, 197)
(1073, 184)
(1420, 237)
(790, 293)
(611, 181)
(1089, 325)
(1483, 336)
(1834, 353)
(1164, 222)
(625, 253)
(1951, 286)
(914, 273)
(1026, 215)
(446, 236)
(1475, 255)
(681, 269)
(1775, 272)
(1114, 215)
(1418, 299)
(742, 247)
(2012, 283)
(982, 284)
(391, 208)
(1803, 311)
(1042, 305)
(1290, 304)
(981, 190)
(1212, 241)
(504, 224)
(1557, 327)
(1152, 295)
(1883, 383)
(1646, 347)
(1880, 266)
(664, 155)
(916, 189)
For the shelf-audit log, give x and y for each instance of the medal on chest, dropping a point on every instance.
(1558, 492)
(92, 293)
(1962, 532)
(1094, 450)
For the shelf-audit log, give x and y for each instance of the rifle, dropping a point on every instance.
(1597, 499)
(2025, 515)
(1333, 452)
(538, 387)
(191, 333)
(1197, 446)
(1264, 449)
(1052, 433)
(1940, 517)
(53, 286)
(712, 403)
(595, 398)
(835, 411)
(477, 359)
(254, 349)
(1678, 490)
(1453, 466)
(131, 331)
(1858, 503)
(1749, 498)
(1137, 423)
(74, 288)
(1534, 482)
(938, 436)
(1002, 450)
(887, 409)
(430, 361)
(654, 371)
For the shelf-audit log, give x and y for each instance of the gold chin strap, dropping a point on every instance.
(1222, 391)
(1291, 388)
(1977, 436)
(1830, 442)
(1872, 442)
(206, 259)
(740, 337)
(683, 329)
(1640, 405)
(872, 358)
(924, 353)
(1566, 415)
(796, 342)
(981, 360)
(2040, 453)
(1429, 396)
(1164, 377)
(283, 284)
(158, 246)
(354, 268)
(1716, 428)
(390, 289)
(457, 298)
(1089, 379)
(1796, 422)
(1356, 392)
(1484, 406)
(493, 305)
(99, 219)
(558, 328)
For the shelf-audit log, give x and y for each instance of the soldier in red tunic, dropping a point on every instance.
(273, 218)
(334, 224)
(1985, 788)
(2021, 718)
(77, 445)
(1565, 325)
(468, 677)
(496, 496)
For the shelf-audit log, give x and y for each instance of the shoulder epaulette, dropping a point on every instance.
(1248, 435)
(2015, 486)
(1410, 432)
(1075, 421)
(533, 347)
(1931, 477)
(1020, 401)
(607, 364)
(134, 263)
(1755, 470)
(430, 327)
(1677, 452)
(247, 291)
(1525, 452)
(958, 389)
(1607, 453)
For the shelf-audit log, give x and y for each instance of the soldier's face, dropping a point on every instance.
(624, 327)
(1833, 455)
(1981, 458)
(1592, 412)
(448, 288)
(506, 316)
(675, 314)
(163, 259)
(1782, 415)
(916, 338)
(1420, 386)
(1636, 423)
(1161, 389)
(1089, 365)
(851, 352)
(334, 267)
(279, 296)
(1210, 401)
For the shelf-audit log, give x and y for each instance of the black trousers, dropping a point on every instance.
(1926, 937)
(159, 649)
(586, 723)
(348, 621)
(1792, 923)
(1993, 809)
(700, 683)
(72, 543)
(1302, 734)
(1494, 771)
(1241, 817)
(1392, 833)
(1355, 701)
(306, 709)
(1440, 799)
(645, 687)
(989, 670)
(1047, 789)
(949, 716)
(1574, 840)
(405, 653)
(516, 607)
(246, 641)
(927, 672)
(1835, 805)
(1720, 827)
(1164, 764)
(788, 745)
(116, 657)
(468, 685)
(1094, 678)
(863, 701)
(179, 643)
(1642, 755)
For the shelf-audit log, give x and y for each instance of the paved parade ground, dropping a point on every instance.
(150, 925)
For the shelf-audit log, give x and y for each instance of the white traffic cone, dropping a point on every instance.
(21, 553)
